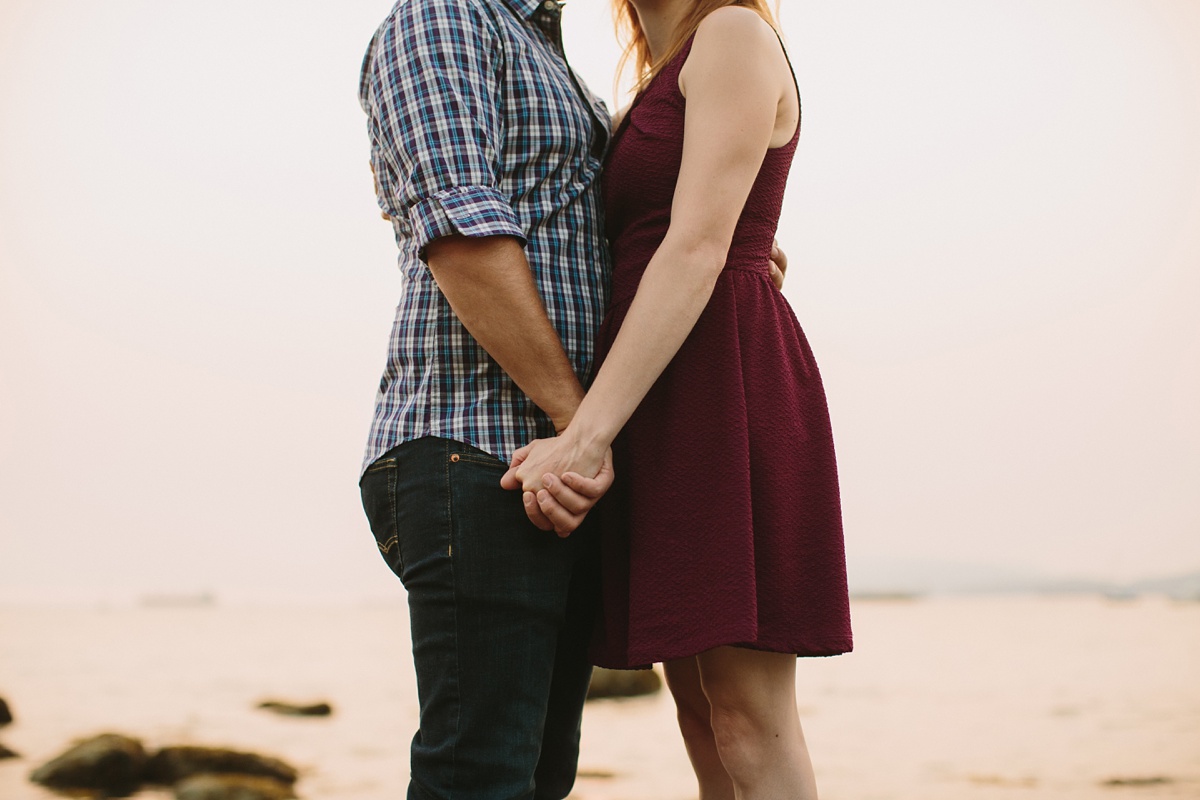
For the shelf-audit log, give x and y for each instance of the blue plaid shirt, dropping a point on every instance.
(479, 127)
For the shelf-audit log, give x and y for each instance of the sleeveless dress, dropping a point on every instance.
(724, 524)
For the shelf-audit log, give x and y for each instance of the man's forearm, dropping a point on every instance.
(489, 286)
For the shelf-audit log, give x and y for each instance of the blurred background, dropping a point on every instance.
(993, 225)
(994, 231)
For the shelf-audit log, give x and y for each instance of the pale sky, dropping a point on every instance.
(993, 223)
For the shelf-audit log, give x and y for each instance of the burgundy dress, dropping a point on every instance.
(724, 525)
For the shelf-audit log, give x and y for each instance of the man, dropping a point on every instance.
(486, 151)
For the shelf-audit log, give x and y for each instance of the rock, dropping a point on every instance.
(232, 787)
(294, 710)
(623, 683)
(172, 764)
(5, 713)
(6, 753)
(110, 762)
(1156, 780)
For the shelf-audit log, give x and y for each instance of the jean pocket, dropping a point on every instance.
(464, 453)
(378, 488)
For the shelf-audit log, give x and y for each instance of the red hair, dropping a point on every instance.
(630, 33)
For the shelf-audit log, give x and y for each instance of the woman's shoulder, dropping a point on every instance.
(733, 29)
(733, 40)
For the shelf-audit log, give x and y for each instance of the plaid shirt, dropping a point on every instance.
(479, 127)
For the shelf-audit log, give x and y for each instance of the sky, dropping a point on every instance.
(993, 224)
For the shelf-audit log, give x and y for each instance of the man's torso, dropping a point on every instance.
(543, 152)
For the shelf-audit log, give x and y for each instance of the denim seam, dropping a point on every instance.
(395, 537)
(457, 654)
(382, 463)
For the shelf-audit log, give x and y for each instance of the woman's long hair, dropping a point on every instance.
(637, 49)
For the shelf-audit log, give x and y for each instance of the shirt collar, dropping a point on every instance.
(524, 8)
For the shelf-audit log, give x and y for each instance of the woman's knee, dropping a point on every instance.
(748, 720)
(738, 736)
(694, 722)
(691, 706)
(739, 703)
(693, 714)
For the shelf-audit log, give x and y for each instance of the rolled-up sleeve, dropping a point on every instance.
(432, 90)
(469, 210)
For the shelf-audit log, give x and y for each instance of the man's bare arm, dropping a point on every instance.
(489, 286)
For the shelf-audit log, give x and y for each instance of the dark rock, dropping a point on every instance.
(6, 753)
(232, 787)
(1156, 780)
(5, 713)
(295, 710)
(172, 764)
(623, 683)
(110, 762)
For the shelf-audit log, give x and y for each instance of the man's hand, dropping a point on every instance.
(778, 264)
(552, 502)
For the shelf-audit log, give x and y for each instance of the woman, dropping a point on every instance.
(723, 552)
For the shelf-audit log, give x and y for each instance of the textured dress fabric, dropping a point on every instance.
(724, 525)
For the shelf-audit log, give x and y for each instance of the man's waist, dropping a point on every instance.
(495, 430)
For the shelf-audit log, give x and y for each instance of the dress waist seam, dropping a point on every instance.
(625, 298)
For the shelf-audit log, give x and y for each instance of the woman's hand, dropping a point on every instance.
(378, 192)
(553, 456)
(553, 502)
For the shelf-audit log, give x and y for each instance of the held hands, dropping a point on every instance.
(550, 473)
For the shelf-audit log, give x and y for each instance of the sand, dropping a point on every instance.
(1076, 698)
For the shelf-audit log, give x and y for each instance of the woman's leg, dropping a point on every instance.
(755, 724)
(694, 712)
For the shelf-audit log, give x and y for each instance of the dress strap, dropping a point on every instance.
(795, 81)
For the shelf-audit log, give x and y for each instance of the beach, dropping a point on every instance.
(944, 698)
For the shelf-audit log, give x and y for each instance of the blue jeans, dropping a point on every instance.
(501, 614)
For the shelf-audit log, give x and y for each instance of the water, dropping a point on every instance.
(945, 699)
